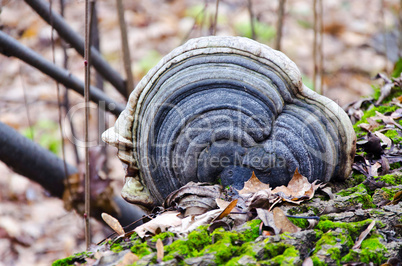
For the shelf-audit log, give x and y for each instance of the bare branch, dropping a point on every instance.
(77, 42)
(250, 11)
(126, 50)
(11, 47)
(27, 158)
(279, 26)
(89, 5)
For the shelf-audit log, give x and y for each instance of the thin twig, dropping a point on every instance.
(31, 130)
(216, 18)
(66, 102)
(400, 29)
(315, 45)
(11, 47)
(318, 57)
(77, 42)
(63, 150)
(384, 30)
(125, 48)
(88, 12)
(279, 26)
(321, 47)
(251, 13)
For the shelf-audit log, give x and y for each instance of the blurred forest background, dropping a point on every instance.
(360, 39)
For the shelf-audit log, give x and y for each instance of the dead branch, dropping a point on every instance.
(11, 47)
(77, 42)
(27, 158)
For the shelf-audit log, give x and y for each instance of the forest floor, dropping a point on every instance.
(34, 228)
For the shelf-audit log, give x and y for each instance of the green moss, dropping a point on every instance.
(254, 230)
(332, 244)
(390, 192)
(396, 165)
(371, 250)
(393, 180)
(349, 191)
(300, 222)
(354, 228)
(394, 135)
(303, 209)
(189, 247)
(140, 248)
(162, 236)
(356, 178)
(358, 194)
(383, 109)
(78, 257)
(289, 257)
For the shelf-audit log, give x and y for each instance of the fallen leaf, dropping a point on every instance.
(190, 223)
(384, 138)
(222, 204)
(226, 211)
(363, 235)
(374, 169)
(128, 259)
(267, 218)
(159, 250)
(283, 223)
(262, 199)
(386, 119)
(113, 223)
(308, 262)
(397, 198)
(298, 189)
(253, 185)
(163, 221)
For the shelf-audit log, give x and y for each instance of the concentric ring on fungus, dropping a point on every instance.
(218, 108)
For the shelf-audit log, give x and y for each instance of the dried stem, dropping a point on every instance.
(318, 56)
(216, 18)
(279, 26)
(126, 50)
(250, 11)
(88, 12)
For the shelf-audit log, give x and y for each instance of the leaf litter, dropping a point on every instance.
(255, 201)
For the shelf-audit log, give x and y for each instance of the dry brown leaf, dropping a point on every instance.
(298, 189)
(308, 262)
(190, 223)
(374, 169)
(253, 185)
(267, 218)
(386, 119)
(128, 259)
(222, 204)
(363, 235)
(282, 222)
(113, 223)
(384, 138)
(226, 211)
(262, 199)
(163, 221)
(159, 250)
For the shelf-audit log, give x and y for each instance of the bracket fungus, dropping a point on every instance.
(218, 108)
